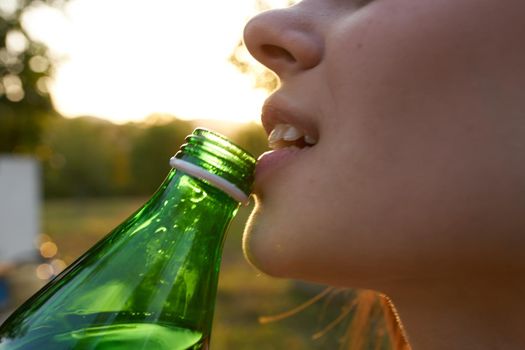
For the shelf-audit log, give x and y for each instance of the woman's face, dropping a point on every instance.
(418, 171)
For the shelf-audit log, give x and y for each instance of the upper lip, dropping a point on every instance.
(277, 110)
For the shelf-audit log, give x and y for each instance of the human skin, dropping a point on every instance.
(416, 187)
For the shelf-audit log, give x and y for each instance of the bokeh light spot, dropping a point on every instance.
(48, 249)
(44, 271)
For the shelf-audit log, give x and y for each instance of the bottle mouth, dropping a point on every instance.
(212, 157)
(217, 181)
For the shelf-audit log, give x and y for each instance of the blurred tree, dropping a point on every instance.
(91, 157)
(152, 148)
(80, 158)
(263, 77)
(25, 67)
(252, 137)
(240, 57)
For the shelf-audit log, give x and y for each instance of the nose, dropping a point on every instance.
(284, 40)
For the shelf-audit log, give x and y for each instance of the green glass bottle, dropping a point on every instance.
(151, 282)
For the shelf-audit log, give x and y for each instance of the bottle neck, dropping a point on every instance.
(191, 195)
(191, 218)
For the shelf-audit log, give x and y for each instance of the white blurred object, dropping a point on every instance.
(19, 208)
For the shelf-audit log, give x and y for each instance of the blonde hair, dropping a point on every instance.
(371, 320)
(370, 306)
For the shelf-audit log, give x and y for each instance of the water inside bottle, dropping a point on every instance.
(121, 335)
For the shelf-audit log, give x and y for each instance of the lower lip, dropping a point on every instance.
(270, 161)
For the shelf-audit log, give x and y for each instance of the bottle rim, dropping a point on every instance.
(201, 131)
(217, 181)
(210, 156)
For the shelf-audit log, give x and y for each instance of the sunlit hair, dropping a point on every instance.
(370, 318)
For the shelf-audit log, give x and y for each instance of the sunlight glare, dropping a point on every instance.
(124, 60)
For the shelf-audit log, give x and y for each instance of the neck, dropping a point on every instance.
(465, 315)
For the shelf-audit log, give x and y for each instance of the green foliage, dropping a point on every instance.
(85, 157)
(89, 157)
(81, 162)
(25, 66)
(152, 148)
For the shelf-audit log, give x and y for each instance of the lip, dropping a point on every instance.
(270, 162)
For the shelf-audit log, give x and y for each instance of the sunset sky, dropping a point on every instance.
(126, 59)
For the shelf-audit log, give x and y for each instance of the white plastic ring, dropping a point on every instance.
(200, 173)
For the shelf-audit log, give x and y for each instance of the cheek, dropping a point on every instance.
(405, 199)
(393, 54)
(423, 199)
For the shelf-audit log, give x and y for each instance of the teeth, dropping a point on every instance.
(292, 134)
(310, 140)
(277, 133)
(287, 132)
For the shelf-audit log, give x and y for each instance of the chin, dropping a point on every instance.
(270, 245)
(263, 245)
(270, 248)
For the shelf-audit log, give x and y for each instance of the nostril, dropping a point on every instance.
(276, 52)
